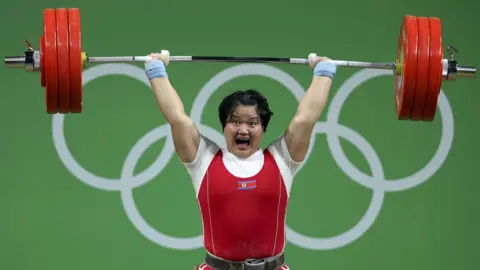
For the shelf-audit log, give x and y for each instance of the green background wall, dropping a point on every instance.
(50, 219)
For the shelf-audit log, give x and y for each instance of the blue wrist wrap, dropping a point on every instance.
(155, 69)
(326, 69)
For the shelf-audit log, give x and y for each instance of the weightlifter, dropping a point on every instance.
(242, 190)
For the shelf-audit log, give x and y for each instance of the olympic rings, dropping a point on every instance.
(331, 128)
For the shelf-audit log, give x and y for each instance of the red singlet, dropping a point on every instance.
(243, 201)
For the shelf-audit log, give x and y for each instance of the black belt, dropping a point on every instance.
(272, 263)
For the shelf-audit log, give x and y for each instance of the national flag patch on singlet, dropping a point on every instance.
(244, 185)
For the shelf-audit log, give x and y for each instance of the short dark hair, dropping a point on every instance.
(248, 97)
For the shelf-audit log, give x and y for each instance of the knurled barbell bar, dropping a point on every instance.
(419, 66)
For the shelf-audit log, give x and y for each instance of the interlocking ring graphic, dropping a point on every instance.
(332, 128)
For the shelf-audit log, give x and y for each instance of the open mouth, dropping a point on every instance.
(242, 143)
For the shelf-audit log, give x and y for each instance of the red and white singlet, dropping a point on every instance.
(243, 202)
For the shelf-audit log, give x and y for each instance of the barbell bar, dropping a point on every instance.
(419, 66)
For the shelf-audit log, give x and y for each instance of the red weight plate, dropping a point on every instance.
(75, 60)
(436, 68)
(423, 57)
(50, 36)
(63, 60)
(42, 61)
(407, 56)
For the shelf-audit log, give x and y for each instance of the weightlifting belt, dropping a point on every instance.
(272, 263)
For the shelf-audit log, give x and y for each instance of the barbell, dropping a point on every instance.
(419, 66)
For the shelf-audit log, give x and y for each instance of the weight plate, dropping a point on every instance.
(423, 63)
(50, 36)
(75, 60)
(63, 60)
(407, 57)
(436, 68)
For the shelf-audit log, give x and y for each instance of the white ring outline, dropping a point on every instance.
(75, 168)
(126, 191)
(389, 185)
(302, 241)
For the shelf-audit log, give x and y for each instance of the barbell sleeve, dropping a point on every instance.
(466, 71)
(15, 61)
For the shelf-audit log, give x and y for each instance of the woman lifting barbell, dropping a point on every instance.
(242, 190)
